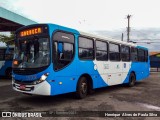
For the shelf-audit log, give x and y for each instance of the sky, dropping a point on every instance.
(90, 15)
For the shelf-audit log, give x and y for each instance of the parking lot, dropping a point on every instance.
(144, 96)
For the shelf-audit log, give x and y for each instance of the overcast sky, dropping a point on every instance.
(89, 14)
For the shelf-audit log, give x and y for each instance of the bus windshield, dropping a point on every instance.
(32, 53)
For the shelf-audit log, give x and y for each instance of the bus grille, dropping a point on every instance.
(28, 71)
(24, 72)
(24, 82)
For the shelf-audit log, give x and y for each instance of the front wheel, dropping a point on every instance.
(132, 80)
(82, 88)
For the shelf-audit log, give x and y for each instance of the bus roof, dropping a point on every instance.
(107, 39)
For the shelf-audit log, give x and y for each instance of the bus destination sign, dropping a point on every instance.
(32, 31)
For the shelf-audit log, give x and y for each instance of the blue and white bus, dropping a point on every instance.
(50, 59)
(6, 57)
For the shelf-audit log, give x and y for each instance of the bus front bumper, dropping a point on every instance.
(43, 88)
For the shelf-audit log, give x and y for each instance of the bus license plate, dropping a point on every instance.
(22, 87)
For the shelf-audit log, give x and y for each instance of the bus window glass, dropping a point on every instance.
(146, 55)
(63, 37)
(68, 51)
(63, 49)
(101, 50)
(9, 54)
(114, 52)
(125, 53)
(134, 56)
(141, 55)
(86, 49)
(32, 53)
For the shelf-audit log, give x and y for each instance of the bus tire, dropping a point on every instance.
(9, 73)
(132, 80)
(82, 88)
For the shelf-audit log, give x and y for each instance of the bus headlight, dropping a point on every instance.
(43, 78)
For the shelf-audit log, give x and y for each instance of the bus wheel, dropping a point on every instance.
(82, 88)
(9, 73)
(132, 80)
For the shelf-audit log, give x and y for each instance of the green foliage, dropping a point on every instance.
(7, 39)
(158, 55)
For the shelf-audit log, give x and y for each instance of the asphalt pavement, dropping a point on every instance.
(144, 96)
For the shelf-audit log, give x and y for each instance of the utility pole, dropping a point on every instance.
(122, 37)
(128, 28)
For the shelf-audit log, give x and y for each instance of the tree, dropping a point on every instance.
(7, 39)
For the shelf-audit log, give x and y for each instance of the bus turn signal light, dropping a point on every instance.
(15, 62)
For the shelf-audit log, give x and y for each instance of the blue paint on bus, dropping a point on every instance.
(6, 57)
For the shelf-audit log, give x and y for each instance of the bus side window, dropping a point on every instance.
(141, 55)
(125, 53)
(86, 48)
(68, 51)
(114, 52)
(101, 51)
(63, 49)
(146, 55)
(9, 54)
(63, 54)
(134, 54)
